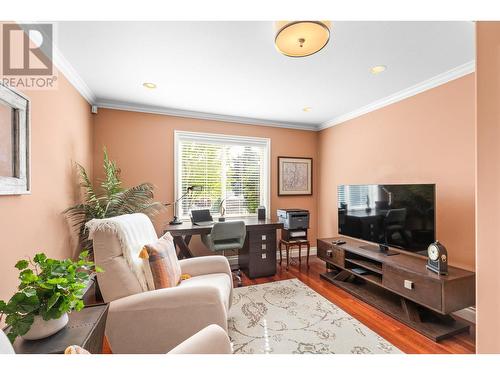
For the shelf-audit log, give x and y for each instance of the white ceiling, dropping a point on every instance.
(233, 69)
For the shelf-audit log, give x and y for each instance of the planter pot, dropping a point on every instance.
(45, 328)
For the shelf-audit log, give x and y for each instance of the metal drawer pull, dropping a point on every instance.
(263, 237)
(408, 284)
(264, 256)
(263, 246)
(329, 253)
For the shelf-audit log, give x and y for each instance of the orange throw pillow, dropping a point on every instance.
(161, 265)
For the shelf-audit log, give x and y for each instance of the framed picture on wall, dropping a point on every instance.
(14, 142)
(294, 176)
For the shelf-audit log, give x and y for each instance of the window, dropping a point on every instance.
(229, 173)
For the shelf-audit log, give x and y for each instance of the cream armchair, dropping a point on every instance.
(154, 321)
(5, 345)
(210, 340)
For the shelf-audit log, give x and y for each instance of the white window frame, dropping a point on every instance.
(180, 135)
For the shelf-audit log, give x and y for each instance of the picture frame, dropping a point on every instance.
(295, 176)
(14, 142)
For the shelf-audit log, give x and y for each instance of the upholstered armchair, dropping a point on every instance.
(210, 340)
(154, 321)
(5, 345)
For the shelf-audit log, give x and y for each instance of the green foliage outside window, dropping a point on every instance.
(229, 173)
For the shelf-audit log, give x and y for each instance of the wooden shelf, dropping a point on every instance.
(375, 279)
(371, 266)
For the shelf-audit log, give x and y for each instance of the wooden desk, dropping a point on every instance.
(258, 256)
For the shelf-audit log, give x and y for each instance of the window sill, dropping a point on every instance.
(216, 218)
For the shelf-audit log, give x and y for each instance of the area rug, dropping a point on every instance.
(288, 317)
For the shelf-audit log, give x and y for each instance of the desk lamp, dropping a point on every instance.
(189, 190)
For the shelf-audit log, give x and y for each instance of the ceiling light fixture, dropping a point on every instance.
(301, 38)
(378, 69)
(149, 85)
(307, 109)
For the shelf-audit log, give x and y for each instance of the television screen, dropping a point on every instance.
(401, 216)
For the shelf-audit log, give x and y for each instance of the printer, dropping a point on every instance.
(293, 218)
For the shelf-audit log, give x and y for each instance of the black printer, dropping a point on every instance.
(293, 218)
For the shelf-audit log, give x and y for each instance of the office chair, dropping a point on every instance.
(224, 236)
(395, 222)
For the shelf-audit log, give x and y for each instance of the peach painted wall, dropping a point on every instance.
(428, 138)
(61, 133)
(488, 187)
(143, 144)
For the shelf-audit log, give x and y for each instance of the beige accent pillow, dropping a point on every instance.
(161, 266)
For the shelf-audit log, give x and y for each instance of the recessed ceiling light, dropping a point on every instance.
(307, 109)
(378, 69)
(149, 85)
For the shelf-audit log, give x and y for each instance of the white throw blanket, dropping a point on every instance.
(133, 232)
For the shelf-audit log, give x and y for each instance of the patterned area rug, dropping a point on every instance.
(289, 317)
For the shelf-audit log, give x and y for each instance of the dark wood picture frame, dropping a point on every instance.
(282, 191)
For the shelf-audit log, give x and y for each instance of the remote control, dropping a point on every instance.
(338, 242)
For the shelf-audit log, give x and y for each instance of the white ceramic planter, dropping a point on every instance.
(45, 328)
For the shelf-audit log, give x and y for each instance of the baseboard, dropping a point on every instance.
(233, 259)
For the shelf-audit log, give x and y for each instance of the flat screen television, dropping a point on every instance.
(401, 216)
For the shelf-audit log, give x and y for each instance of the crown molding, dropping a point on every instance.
(202, 115)
(431, 83)
(66, 68)
(72, 76)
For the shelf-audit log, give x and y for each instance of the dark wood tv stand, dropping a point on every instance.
(400, 285)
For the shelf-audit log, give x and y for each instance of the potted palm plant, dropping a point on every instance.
(48, 291)
(109, 200)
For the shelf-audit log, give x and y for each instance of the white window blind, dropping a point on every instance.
(229, 172)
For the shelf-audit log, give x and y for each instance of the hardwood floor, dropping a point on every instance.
(405, 338)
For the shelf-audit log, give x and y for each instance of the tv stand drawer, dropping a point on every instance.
(330, 253)
(417, 288)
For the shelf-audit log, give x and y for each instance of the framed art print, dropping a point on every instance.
(294, 176)
(14, 142)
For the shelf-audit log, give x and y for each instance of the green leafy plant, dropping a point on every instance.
(49, 288)
(110, 200)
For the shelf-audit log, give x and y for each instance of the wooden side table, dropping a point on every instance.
(85, 328)
(290, 244)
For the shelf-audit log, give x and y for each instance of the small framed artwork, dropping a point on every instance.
(294, 176)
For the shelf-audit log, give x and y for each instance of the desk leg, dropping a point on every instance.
(182, 244)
